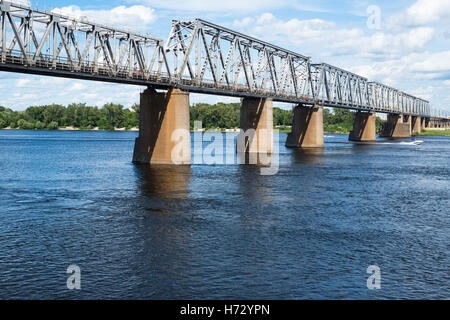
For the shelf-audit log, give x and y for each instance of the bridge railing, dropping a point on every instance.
(205, 54)
(36, 38)
(387, 99)
(86, 66)
(335, 86)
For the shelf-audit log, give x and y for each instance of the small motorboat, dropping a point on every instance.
(413, 142)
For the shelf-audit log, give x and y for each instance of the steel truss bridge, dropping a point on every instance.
(198, 56)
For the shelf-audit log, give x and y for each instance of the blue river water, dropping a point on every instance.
(222, 231)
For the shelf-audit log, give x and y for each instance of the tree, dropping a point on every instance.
(53, 113)
(282, 117)
(39, 125)
(113, 114)
(52, 125)
(33, 114)
(25, 125)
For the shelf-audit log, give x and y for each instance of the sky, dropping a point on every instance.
(402, 43)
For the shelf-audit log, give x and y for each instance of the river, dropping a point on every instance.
(222, 231)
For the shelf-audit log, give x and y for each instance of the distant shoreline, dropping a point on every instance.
(78, 129)
(435, 132)
(428, 132)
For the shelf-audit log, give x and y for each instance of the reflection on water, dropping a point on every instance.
(164, 181)
(164, 189)
(256, 188)
(307, 155)
(258, 159)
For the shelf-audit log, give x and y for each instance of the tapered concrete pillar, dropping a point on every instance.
(307, 128)
(407, 118)
(426, 123)
(416, 125)
(256, 134)
(423, 123)
(164, 136)
(364, 127)
(396, 126)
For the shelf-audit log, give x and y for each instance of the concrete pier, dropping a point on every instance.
(164, 136)
(364, 127)
(307, 128)
(426, 123)
(416, 125)
(256, 134)
(397, 126)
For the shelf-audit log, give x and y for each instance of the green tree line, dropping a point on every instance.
(223, 115)
(78, 115)
(341, 120)
(226, 116)
(110, 116)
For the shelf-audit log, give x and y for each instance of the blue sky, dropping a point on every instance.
(408, 47)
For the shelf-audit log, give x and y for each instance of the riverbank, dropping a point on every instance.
(76, 129)
(432, 132)
(435, 132)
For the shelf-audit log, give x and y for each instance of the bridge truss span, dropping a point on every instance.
(206, 55)
(387, 99)
(50, 43)
(333, 86)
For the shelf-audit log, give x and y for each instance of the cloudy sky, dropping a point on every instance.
(403, 43)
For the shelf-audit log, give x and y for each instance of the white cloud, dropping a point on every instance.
(428, 11)
(422, 12)
(216, 5)
(22, 82)
(418, 74)
(78, 86)
(415, 66)
(438, 62)
(317, 35)
(295, 31)
(22, 2)
(137, 18)
(27, 91)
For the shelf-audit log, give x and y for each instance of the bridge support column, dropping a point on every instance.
(426, 123)
(164, 135)
(416, 125)
(307, 128)
(396, 127)
(364, 127)
(256, 134)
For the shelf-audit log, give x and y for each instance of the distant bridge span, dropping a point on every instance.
(199, 57)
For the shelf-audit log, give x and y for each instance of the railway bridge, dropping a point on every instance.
(202, 57)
